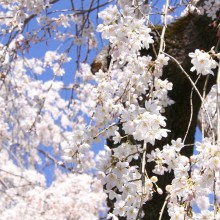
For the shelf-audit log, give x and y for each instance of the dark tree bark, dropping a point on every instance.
(182, 37)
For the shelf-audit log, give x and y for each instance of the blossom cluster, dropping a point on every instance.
(210, 8)
(15, 13)
(38, 123)
(137, 96)
(208, 114)
(33, 114)
(76, 197)
(203, 62)
(196, 179)
(138, 120)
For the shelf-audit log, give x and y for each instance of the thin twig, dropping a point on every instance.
(105, 129)
(142, 180)
(191, 111)
(162, 41)
(202, 115)
(218, 138)
(54, 160)
(197, 91)
(163, 207)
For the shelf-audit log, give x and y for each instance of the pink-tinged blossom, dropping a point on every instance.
(79, 196)
(202, 62)
(121, 169)
(210, 8)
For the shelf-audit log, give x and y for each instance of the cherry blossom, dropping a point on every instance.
(202, 62)
(50, 122)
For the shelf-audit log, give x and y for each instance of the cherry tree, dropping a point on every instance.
(38, 123)
(142, 94)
